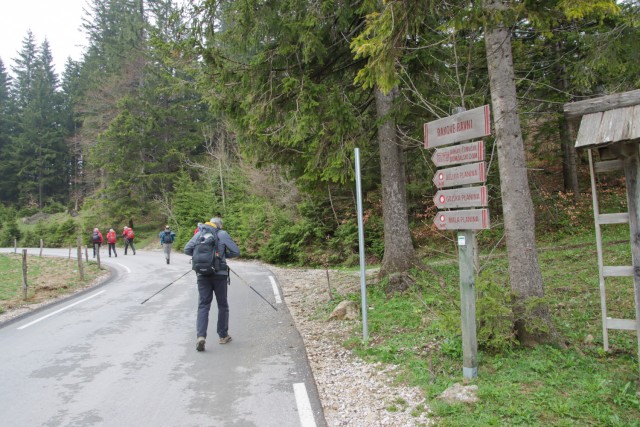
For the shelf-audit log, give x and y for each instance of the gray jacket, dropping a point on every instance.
(227, 248)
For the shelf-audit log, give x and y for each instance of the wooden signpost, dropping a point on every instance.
(469, 219)
(466, 197)
(472, 173)
(462, 153)
(464, 126)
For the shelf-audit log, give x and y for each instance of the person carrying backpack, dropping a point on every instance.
(128, 235)
(209, 249)
(111, 241)
(96, 239)
(166, 240)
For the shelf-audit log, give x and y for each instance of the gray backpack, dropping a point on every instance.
(205, 259)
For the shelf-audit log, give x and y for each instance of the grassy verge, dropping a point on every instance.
(573, 383)
(47, 278)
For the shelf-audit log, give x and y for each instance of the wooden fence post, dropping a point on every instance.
(80, 265)
(15, 245)
(25, 286)
(41, 246)
(98, 256)
(86, 253)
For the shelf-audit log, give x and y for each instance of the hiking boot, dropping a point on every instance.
(225, 340)
(167, 261)
(200, 344)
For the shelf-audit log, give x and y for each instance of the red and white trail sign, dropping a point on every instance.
(462, 153)
(460, 175)
(464, 126)
(469, 219)
(466, 197)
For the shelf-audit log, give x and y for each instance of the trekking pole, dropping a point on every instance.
(166, 287)
(259, 294)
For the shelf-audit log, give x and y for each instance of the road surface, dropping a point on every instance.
(102, 358)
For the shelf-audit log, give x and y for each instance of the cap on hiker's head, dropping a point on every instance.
(95, 229)
(166, 227)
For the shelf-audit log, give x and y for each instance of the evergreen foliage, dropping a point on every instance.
(170, 110)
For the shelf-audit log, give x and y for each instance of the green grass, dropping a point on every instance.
(573, 383)
(11, 273)
(47, 278)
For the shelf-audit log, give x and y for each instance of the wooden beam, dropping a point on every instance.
(601, 104)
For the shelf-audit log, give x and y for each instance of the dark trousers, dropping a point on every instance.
(128, 243)
(207, 286)
(112, 246)
(96, 248)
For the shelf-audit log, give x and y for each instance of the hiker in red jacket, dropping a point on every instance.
(111, 241)
(96, 239)
(128, 236)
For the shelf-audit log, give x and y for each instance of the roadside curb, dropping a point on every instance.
(28, 311)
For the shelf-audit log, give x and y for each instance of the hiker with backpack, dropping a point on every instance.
(166, 240)
(209, 249)
(111, 241)
(96, 239)
(128, 236)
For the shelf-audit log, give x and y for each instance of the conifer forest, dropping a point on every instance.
(252, 110)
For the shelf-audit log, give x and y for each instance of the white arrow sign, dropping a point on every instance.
(460, 175)
(469, 219)
(467, 125)
(467, 197)
(462, 153)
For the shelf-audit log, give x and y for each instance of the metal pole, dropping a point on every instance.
(363, 284)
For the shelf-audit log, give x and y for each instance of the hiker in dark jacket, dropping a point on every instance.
(166, 241)
(215, 283)
(96, 239)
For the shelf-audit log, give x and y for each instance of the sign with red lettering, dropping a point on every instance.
(466, 197)
(467, 125)
(469, 219)
(460, 175)
(462, 153)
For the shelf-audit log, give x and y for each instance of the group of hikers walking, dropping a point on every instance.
(167, 236)
(209, 248)
(127, 236)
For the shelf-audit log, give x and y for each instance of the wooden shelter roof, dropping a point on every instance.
(606, 120)
(599, 129)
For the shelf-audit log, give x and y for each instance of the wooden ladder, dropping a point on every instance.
(607, 270)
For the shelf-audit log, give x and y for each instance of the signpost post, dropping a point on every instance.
(463, 126)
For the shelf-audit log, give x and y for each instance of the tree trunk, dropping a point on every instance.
(399, 254)
(569, 165)
(532, 321)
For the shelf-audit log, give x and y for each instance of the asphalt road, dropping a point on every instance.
(102, 358)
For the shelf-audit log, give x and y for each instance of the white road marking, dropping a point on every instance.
(58, 311)
(276, 292)
(124, 266)
(304, 406)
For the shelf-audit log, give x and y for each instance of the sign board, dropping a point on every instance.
(469, 219)
(466, 197)
(467, 125)
(460, 175)
(462, 153)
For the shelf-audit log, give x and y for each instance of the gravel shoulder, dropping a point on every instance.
(352, 392)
